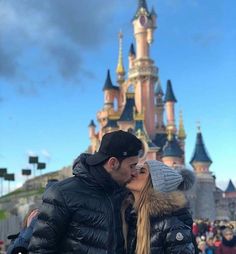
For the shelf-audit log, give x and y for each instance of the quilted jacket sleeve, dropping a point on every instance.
(52, 223)
(178, 238)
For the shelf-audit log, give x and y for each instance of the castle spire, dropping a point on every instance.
(181, 132)
(230, 187)
(158, 89)
(120, 71)
(142, 9)
(200, 154)
(131, 50)
(169, 96)
(108, 83)
(170, 101)
(142, 4)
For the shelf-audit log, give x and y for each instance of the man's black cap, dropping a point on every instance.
(119, 144)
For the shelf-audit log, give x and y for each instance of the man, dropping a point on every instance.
(82, 214)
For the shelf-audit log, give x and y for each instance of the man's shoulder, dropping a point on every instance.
(58, 189)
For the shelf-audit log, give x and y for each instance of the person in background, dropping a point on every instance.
(217, 240)
(2, 247)
(202, 247)
(228, 244)
(156, 218)
(20, 241)
(195, 229)
(210, 248)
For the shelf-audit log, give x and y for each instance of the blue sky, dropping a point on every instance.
(53, 61)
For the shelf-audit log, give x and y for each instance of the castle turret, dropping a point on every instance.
(160, 127)
(205, 184)
(200, 159)
(143, 73)
(120, 70)
(92, 128)
(93, 137)
(230, 191)
(170, 101)
(132, 56)
(110, 92)
(172, 153)
(144, 25)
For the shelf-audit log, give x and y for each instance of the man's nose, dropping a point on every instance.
(134, 173)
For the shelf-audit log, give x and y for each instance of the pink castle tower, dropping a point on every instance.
(143, 73)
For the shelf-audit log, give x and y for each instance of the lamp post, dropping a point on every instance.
(26, 172)
(9, 178)
(33, 160)
(41, 166)
(3, 171)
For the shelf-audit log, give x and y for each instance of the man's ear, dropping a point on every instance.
(112, 164)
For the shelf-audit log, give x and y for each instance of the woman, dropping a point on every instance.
(20, 241)
(154, 221)
(228, 244)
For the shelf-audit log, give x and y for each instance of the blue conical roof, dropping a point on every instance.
(169, 96)
(158, 89)
(160, 140)
(230, 187)
(172, 148)
(92, 124)
(153, 12)
(108, 83)
(127, 114)
(131, 50)
(200, 153)
(142, 4)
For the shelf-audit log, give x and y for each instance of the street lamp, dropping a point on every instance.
(9, 178)
(3, 171)
(33, 160)
(26, 172)
(41, 166)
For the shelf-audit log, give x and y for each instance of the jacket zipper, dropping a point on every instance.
(112, 223)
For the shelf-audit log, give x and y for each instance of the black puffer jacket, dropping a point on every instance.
(80, 215)
(169, 233)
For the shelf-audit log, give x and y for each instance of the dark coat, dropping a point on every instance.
(80, 215)
(227, 247)
(169, 234)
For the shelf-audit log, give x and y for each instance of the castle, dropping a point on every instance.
(138, 104)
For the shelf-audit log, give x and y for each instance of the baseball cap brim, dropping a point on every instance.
(97, 158)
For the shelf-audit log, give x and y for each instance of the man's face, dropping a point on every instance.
(123, 172)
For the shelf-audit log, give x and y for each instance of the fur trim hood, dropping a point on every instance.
(165, 203)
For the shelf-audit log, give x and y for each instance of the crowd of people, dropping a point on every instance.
(117, 204)
(218, 237)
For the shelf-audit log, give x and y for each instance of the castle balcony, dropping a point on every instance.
(143, 71)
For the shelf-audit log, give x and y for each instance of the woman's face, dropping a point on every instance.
(228, 235)
(139, 181)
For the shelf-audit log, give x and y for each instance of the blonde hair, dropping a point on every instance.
(143, 220)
